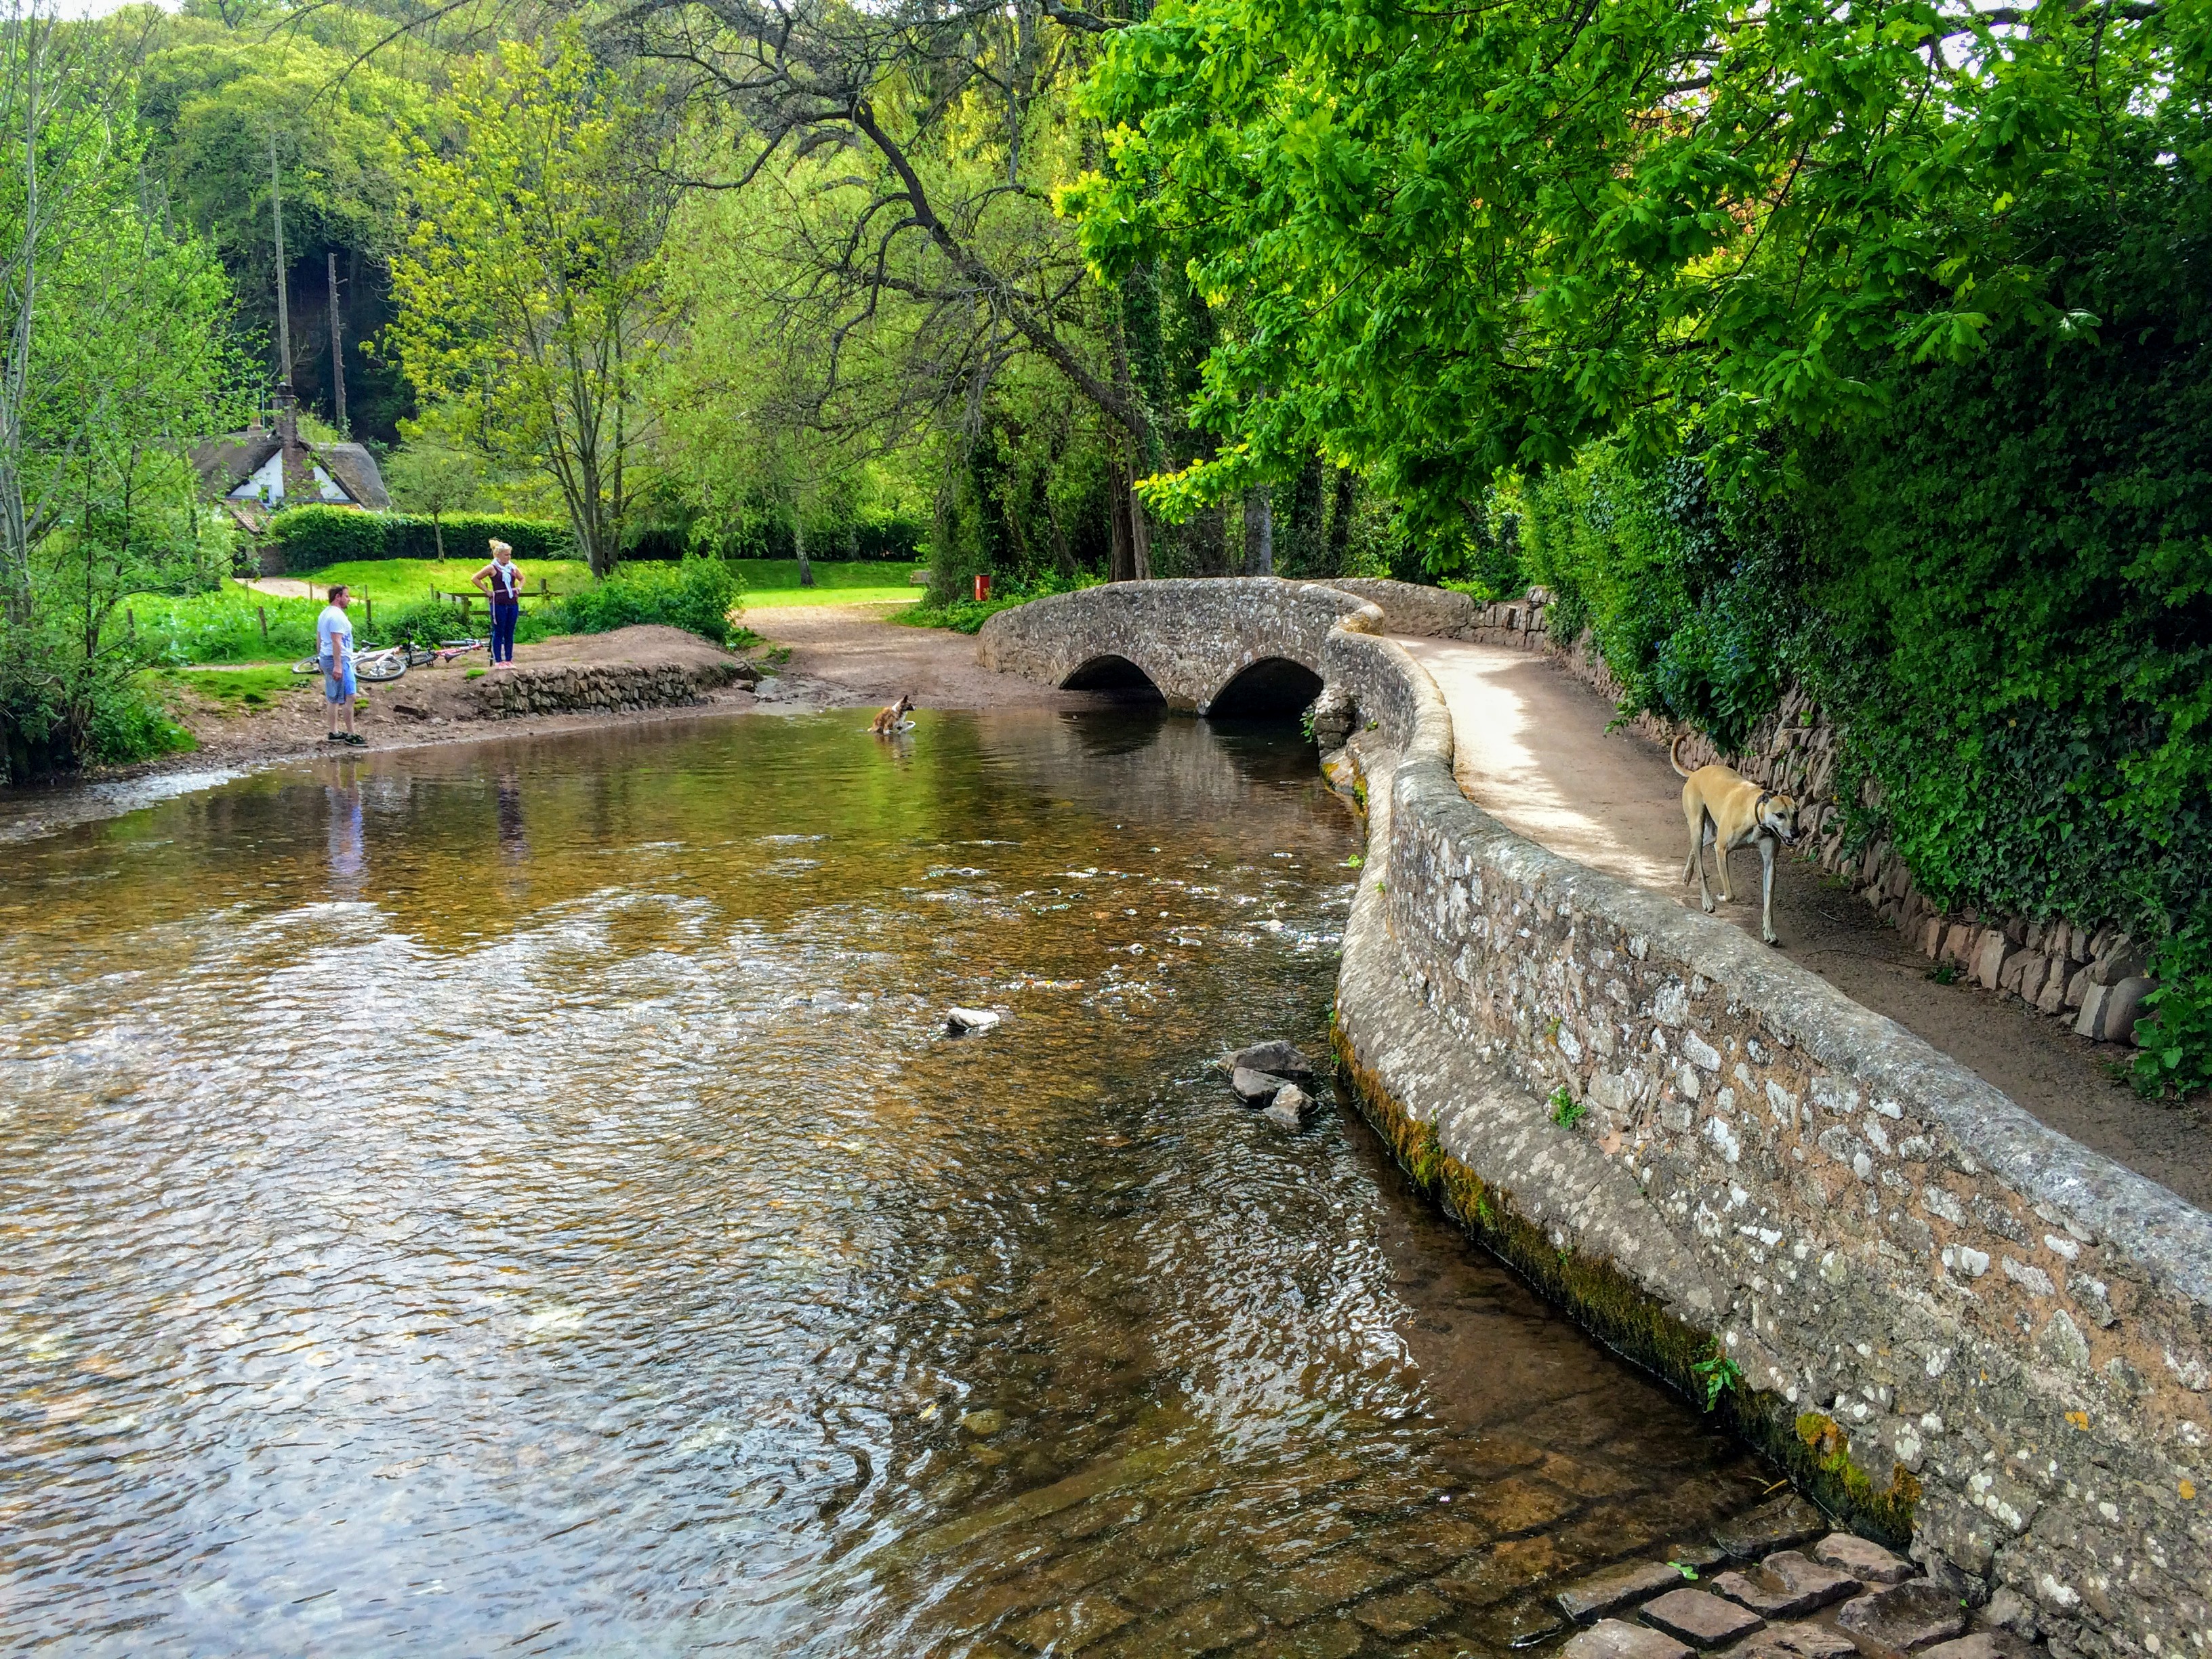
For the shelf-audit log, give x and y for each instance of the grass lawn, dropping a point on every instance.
(768, 581)
(400, 581)
(226, 626)
(240, 689)
(773, 582)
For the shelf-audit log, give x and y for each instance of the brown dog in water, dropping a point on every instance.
(1726, 809)
(894, 718)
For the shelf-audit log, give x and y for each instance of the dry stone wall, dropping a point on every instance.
(620, 688)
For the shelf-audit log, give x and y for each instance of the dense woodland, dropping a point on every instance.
(1859, 345)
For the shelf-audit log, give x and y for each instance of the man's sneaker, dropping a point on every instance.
(354, 738)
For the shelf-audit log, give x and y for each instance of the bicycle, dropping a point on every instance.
(387, 663)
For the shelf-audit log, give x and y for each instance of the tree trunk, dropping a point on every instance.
(798, 540)
(1301, 535)
(1259, 533)
(1339, 520)
(1208, 541)
(1122, 565)
(438, 535)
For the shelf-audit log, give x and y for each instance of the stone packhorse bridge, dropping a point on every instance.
(1949, 1322)
(1218, 646)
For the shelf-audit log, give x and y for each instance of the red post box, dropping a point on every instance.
(982, 586)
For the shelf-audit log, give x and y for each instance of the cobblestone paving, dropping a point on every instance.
(1460, 1548)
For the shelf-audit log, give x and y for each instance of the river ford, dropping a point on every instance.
(523, 1198)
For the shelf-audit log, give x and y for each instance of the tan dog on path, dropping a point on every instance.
(894, 718)
(1726, 809)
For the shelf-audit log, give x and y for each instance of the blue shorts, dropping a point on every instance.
(337, 682)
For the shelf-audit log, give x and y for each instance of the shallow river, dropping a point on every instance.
(521, 1198)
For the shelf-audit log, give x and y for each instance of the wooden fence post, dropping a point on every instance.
(263, 611)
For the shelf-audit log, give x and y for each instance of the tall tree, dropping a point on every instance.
(1467, 239)
(927, 142)
(532, 287)
(113, 363)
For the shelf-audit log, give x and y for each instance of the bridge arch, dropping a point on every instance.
(1115, 676)
(1269, 686)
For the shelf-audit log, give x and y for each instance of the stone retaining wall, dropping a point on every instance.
(1950, 1322)
(624, 688)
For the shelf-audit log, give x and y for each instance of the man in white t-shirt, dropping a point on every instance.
(334, 646)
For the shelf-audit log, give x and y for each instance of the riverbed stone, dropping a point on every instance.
(1863, 1559)
(1074, 1625)
(1981, 1644)
(1325, 1581)
(1290, 1108)
(1257, 1088)
(1782, 1524)
(969, 1019)
(1797, 1641)
(1276, 1056)
(1616, 1638)
(1616, 1587)
(1398, 1614)
(1786, 1585)
(1700, 1617)
(1905, 1617)
(1222, 1622)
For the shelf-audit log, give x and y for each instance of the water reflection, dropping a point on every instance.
(617, 1256)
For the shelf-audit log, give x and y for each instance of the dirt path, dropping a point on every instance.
(1533, 751)
(852, 648)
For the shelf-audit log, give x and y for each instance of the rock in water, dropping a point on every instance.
(1278, 1058)
(1289, 1108)
(960, 1020)
(1257, 1088)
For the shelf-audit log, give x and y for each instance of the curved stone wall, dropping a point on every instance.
(1948, 1320)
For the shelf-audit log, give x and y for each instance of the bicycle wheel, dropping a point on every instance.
(307, 666)
(380, 666)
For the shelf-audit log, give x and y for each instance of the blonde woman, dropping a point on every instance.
(500, 582)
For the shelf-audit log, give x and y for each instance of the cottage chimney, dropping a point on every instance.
(300, 486)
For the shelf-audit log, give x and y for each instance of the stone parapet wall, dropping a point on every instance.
(620, 688)
(2090, 975)
(1969, 1323)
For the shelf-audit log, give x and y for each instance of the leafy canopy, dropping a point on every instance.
(1473, 238)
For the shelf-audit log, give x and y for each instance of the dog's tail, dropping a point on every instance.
(1675, 757)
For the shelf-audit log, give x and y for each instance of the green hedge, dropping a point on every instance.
(2000, 586)
(312, 537)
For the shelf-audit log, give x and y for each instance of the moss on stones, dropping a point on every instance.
(1628, 1319)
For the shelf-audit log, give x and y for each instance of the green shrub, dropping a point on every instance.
(126, 721)
(311, 537)
(222, 625)
(696, 594)
(966, 616)
(421, 623)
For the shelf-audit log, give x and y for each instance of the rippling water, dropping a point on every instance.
(521, 1197)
